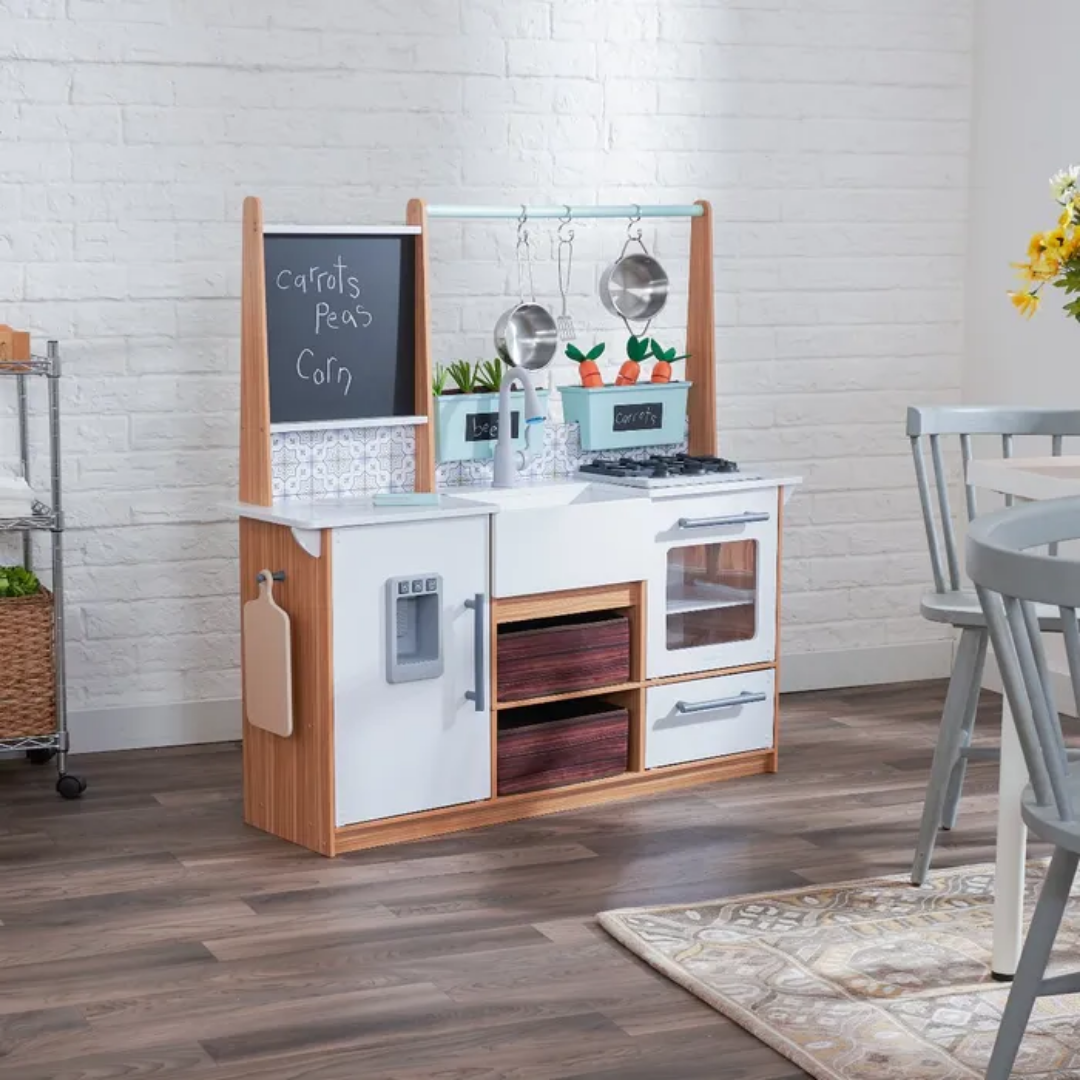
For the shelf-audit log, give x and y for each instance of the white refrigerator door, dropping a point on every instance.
(404, 747)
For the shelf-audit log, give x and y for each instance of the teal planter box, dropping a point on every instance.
(627, 417)
(467, 425)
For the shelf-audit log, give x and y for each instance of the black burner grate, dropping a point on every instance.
(660, 466)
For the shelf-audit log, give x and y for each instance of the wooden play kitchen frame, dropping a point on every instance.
(289, 782)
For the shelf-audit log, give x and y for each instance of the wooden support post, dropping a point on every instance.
(256, 479)
(701, 337)
(416, 214)
(289, 783)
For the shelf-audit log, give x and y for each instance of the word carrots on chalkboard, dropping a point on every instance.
(340, 326)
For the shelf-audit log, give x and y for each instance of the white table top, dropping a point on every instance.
(1029, 478)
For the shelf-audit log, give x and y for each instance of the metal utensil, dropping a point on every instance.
(565, 322)
(526, 335)
(634, 287)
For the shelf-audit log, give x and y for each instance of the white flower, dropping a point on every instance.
(1063, 182)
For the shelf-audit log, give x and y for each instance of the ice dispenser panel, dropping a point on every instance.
(414, 628)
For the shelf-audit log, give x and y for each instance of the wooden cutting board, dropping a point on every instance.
(267, 662)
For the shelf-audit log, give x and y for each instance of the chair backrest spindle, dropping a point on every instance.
(967, 421)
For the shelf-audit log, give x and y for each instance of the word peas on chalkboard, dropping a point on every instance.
(340, 319)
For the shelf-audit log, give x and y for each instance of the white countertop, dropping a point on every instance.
(297, 512)
(344, 512)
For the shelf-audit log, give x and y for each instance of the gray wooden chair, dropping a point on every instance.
(951, 600)
(1011, 579)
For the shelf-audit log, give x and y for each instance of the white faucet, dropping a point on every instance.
(505, 468)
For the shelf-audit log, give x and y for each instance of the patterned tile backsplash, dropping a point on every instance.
(363, 461)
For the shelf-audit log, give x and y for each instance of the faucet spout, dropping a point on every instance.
(505, 468)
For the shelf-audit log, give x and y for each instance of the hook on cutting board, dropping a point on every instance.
(277, 575)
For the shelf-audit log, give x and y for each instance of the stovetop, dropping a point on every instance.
(663, 470)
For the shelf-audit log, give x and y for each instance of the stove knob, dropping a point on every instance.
(659, 472)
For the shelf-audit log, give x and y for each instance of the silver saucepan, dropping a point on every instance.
(526, 335)
(635, 286)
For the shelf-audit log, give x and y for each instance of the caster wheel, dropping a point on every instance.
(70, 787)
(40, 757)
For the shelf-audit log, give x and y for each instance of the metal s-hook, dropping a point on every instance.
(565, 232)
(635, 220)
(524, 257)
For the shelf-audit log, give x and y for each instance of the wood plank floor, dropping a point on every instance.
(146, 932)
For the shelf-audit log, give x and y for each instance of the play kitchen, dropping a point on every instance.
(424, 661)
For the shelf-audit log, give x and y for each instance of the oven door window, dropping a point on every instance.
(712, 594)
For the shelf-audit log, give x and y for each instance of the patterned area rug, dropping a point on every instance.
(870, 980)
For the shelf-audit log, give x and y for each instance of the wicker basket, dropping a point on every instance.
(27, 680)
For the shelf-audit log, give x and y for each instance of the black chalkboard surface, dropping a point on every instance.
(340, 322)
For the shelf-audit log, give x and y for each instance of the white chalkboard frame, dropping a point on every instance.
(344, 230)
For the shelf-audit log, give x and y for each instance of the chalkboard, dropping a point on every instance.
(340, 321)
(484, 427)
(646, 416)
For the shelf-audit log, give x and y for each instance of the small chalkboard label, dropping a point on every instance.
(484, 426)
(647, 416)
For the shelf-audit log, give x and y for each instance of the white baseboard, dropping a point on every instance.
(835, 670)
(141, 727)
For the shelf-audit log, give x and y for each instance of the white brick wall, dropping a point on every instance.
(831, 136)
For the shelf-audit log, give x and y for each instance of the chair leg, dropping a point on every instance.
(948, 745)
(956, 780)
(1033, 960)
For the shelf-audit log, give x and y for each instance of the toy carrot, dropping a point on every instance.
(636, 350)
(587, 369)
(661, 371)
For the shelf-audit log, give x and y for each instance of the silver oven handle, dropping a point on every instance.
(749, 518)
(745, 698)
(479, 608)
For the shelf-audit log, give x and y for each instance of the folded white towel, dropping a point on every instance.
(16, 497)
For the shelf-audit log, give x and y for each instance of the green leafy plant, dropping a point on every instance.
(17, 581)
(438, 382)
(489, 375)
(1070, 282)
(464, 375)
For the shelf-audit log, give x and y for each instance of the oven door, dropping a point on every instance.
(712, 583)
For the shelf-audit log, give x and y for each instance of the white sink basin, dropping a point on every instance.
(564, 534)
(530, 496)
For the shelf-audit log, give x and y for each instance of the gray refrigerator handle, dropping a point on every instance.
(479, 609)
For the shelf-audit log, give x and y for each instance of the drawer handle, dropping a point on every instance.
(745, 698)
(749, 518)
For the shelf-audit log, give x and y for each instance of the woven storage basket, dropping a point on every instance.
(27, 685)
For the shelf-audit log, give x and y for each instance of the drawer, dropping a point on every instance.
(709, 718)
(559, 655)
(691, 518)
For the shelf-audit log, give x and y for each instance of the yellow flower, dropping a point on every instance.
(1053, 239)
(1071, 247)
(1035, 245)
(1027, 303)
